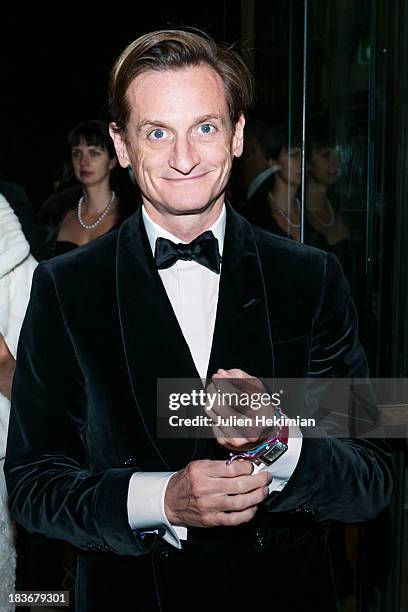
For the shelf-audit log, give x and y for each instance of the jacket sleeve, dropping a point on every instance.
(338, 478)
(51, 487)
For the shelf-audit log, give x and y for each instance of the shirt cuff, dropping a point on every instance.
(145, 505)
(283, 468)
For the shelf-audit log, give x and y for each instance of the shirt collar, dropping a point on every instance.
(154, 231)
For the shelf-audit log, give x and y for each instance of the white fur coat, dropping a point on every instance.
(16, 271)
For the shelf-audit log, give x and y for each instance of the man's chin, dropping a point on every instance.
(193, 209)
(182, 207)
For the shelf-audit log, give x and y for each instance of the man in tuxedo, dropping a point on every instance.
(186, 288)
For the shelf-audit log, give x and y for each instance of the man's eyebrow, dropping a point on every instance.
(150, 122)
(210, 117)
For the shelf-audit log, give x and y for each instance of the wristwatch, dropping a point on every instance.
(267, 452)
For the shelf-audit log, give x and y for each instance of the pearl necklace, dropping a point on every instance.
(280, 212)
(101, 216)
(332, 221)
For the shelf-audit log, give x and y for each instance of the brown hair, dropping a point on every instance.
(172, 50)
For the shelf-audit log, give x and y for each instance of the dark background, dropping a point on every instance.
(55, 63)
(55, 67)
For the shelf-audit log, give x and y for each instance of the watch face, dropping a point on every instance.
(272, 453)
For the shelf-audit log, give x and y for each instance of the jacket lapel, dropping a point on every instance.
(153, 343)
(242, 337)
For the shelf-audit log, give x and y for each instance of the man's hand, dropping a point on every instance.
(213, 494)
(236, 382)
(7, 368)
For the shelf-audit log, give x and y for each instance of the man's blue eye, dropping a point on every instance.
(158, 134)
(206, 128)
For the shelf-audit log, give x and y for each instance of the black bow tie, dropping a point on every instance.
(203, 250)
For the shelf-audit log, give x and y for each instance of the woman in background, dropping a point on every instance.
(274, 204)
(93, 206)
(325, 226)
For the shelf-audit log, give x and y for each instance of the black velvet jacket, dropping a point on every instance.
(98, 333)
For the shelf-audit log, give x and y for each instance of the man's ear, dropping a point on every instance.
(238, 138)
(120, 145)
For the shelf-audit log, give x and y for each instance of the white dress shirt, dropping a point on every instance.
(193, 293)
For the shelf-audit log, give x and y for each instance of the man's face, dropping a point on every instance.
(179, 139)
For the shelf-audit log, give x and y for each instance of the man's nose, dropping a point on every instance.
(184, 156)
